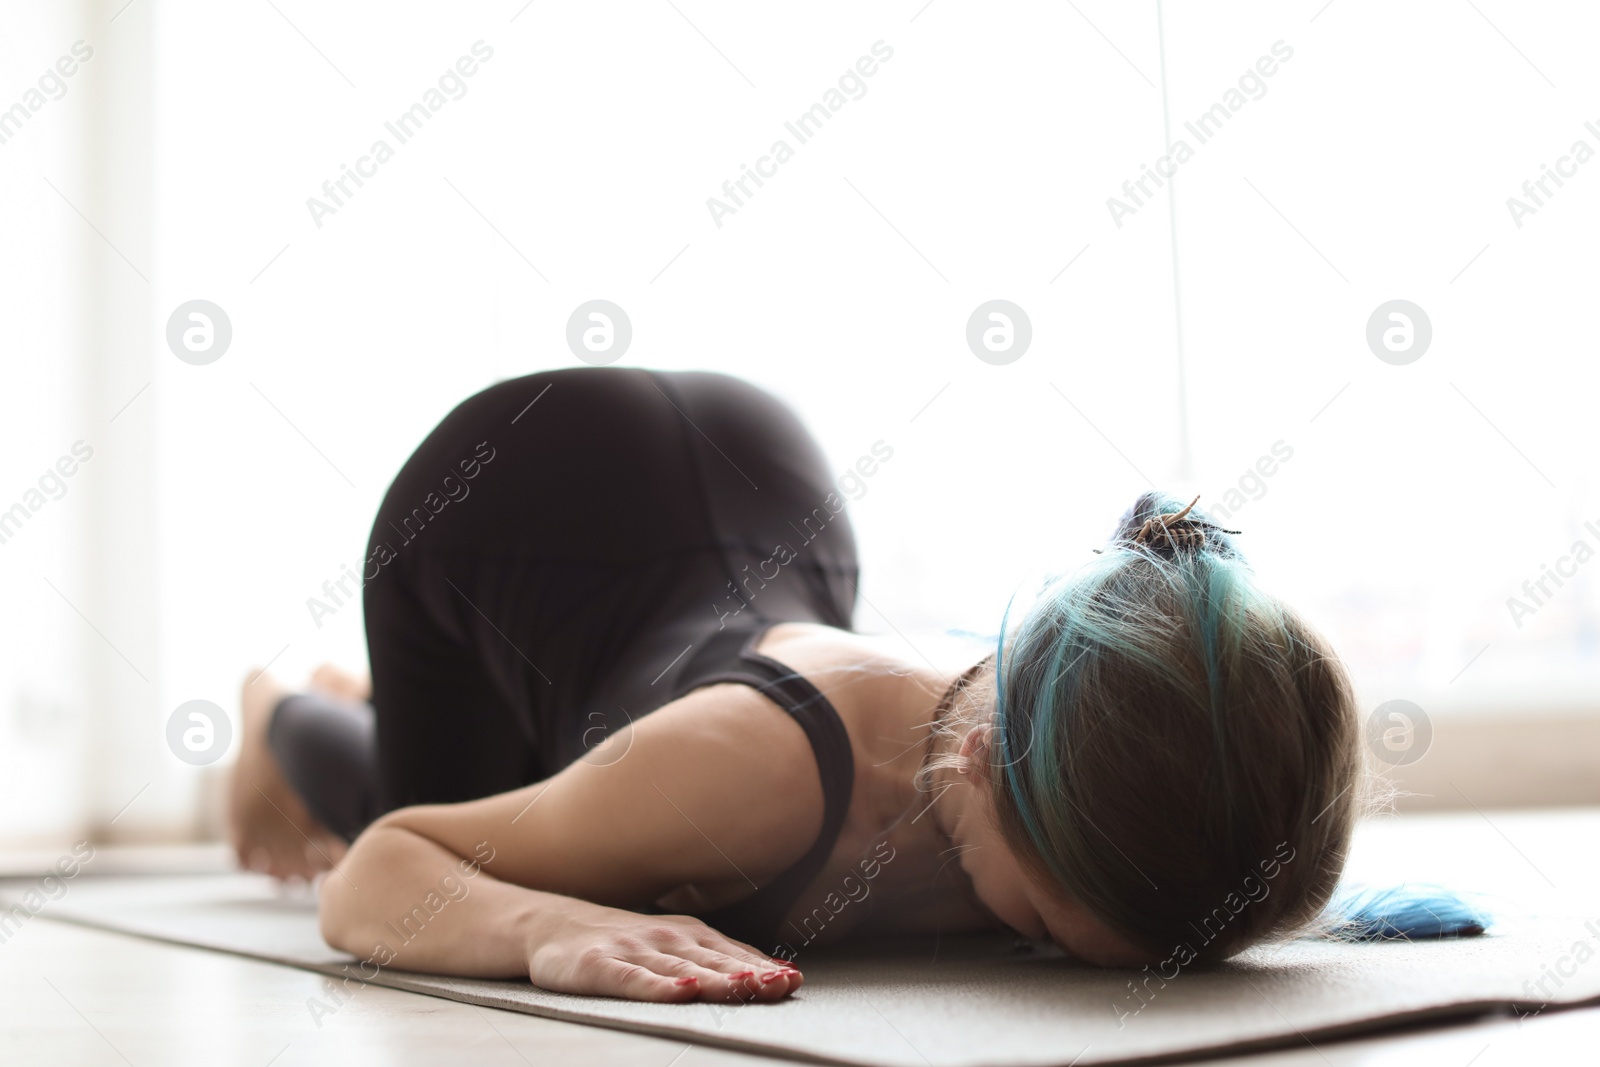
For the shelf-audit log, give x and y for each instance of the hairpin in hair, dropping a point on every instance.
(1176, 530)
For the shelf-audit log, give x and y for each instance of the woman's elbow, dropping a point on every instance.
(337, 901)
(334, 907)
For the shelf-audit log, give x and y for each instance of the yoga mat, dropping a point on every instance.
(896, 1003)
(957, 1002)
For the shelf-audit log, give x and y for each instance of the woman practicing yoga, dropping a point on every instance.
(621, 740)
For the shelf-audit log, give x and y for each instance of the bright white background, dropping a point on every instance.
(976, 166)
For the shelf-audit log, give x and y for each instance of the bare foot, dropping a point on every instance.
(269, 825)
(342, 684)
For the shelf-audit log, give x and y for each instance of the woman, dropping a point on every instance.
(621, 739)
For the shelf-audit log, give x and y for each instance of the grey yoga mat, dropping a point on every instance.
(963, 1001)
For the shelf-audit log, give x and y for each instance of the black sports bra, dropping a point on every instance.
(730, 656)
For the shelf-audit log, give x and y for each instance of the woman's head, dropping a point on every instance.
(1172, 755)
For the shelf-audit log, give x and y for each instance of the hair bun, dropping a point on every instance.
(1174, 530)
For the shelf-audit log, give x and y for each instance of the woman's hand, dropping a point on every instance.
(485, 928)
(609, 952)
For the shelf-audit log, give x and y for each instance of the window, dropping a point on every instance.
(396, 209)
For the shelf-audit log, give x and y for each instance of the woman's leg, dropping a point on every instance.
(269, 823)
(772, 506)
(535, 561)
(444, 734)
(444, 729)
(327, 750)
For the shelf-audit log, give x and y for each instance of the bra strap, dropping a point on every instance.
(830, 744)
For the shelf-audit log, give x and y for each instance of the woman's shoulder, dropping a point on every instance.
(821, 648)
(883, 687)
(843, 661)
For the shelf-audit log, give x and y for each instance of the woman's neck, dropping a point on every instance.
(926, 790)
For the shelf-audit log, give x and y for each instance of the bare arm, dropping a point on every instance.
(719, 785)
(405, 902)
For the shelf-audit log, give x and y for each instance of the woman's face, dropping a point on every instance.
(1013, 896)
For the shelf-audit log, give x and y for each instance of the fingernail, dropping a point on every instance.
(743, 974)
(686, 981)
(773, 976)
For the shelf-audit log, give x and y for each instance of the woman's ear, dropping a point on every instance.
(974, 751)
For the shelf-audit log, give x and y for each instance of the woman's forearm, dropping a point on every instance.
(400, 900)
(404, 901)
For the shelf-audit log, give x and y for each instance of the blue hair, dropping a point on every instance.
(1411, 912)
(1178, 752)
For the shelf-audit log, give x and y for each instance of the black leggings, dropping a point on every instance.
(539, 567)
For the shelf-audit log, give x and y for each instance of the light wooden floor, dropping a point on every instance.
(75, 996)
